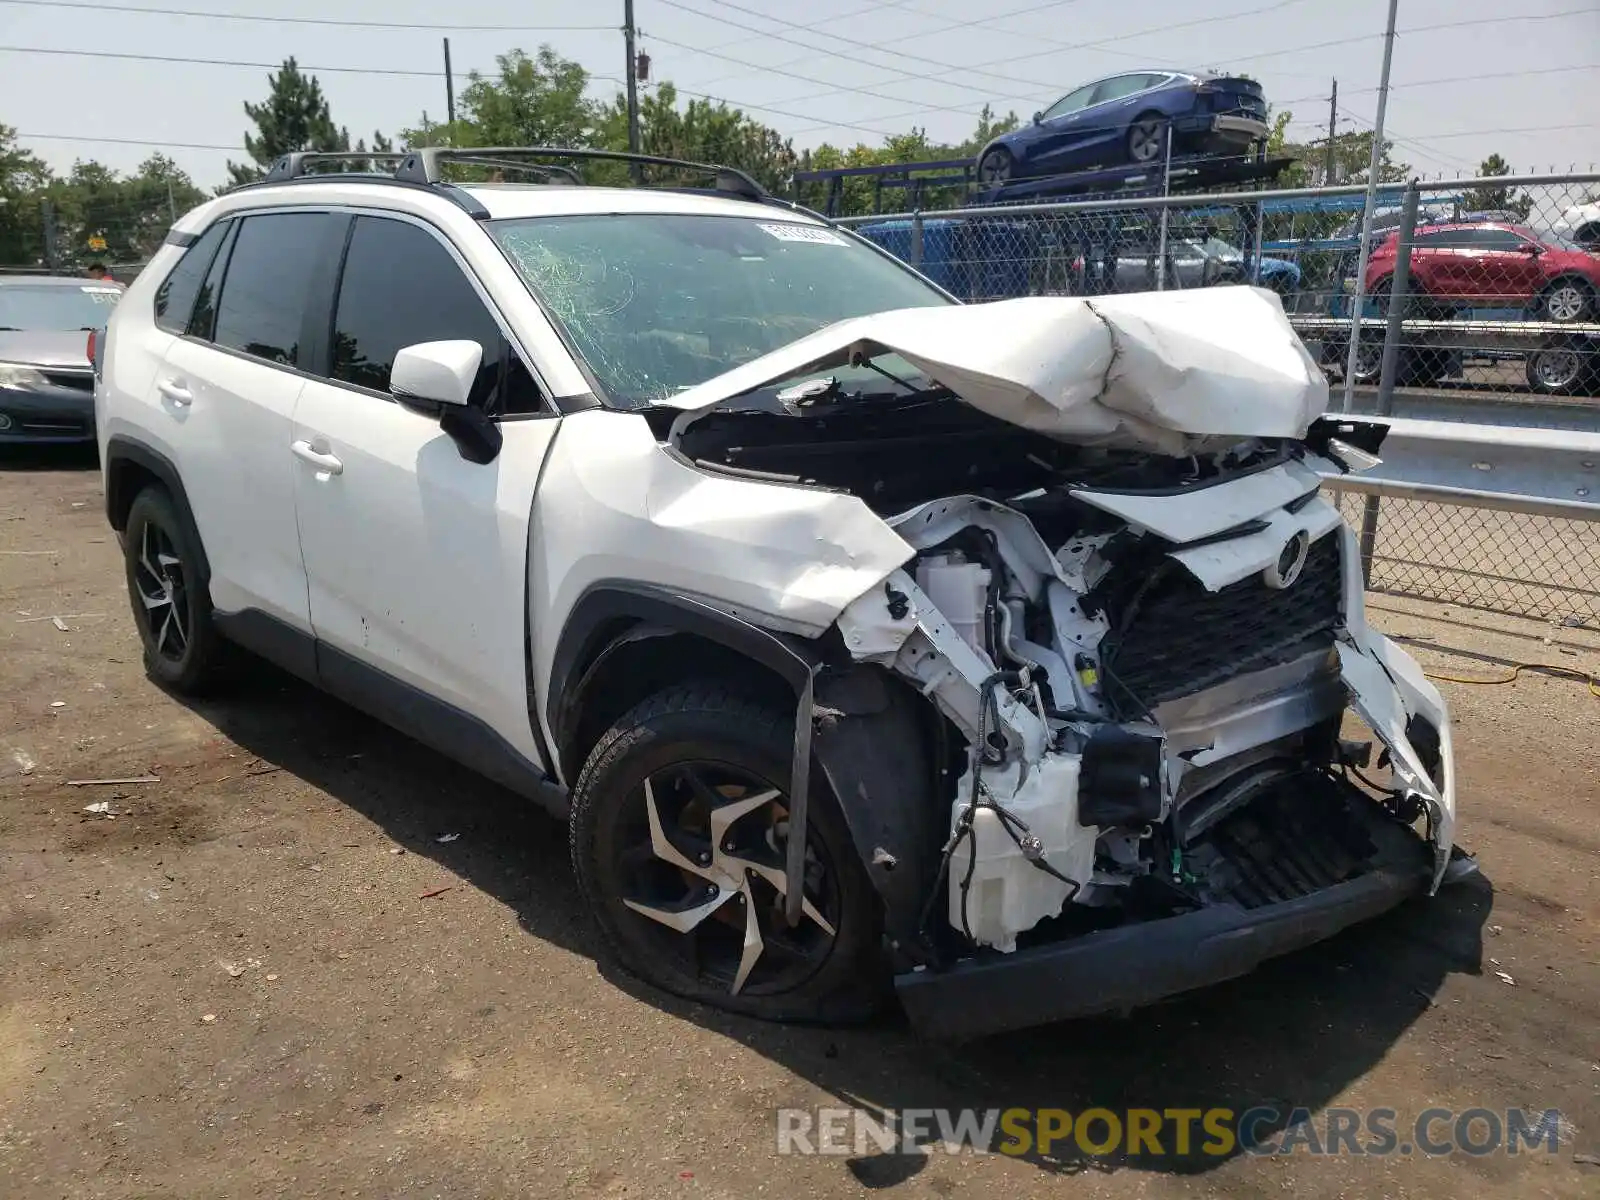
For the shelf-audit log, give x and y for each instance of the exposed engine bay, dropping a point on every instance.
(1146, 658)
(1151, 725)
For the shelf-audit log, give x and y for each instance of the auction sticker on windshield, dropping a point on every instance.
(805, 233)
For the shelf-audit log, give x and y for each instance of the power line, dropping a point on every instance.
(835, 19)
(1491, 132)
(1057, 44)
(1288, 50)
(909, 57)
(834, 88)
(117, 141)
(397, 71)
(897, 40)
(1278, 4)
(220, 62)
(225, 16)
(1416, 83)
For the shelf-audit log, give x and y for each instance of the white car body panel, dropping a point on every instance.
(233, 437)
(615, 505)
(1191, 516)
(416, 557)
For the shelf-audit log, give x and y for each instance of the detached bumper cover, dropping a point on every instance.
(1139, 964)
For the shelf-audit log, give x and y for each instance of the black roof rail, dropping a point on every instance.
(457, 196)
(422, 165)
(293, 164)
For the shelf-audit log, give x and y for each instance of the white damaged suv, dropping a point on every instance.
(995, 655)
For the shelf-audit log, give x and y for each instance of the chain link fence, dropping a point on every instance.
(1483, 295)
(1527, 564)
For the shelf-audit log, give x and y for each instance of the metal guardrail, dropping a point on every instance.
(1537, 471)
(1485, 516)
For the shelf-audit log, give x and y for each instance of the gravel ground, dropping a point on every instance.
(266, 974)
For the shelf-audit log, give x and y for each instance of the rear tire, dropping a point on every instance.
(677, 843)
(170, 597)
(996, 167)
(1563, 369)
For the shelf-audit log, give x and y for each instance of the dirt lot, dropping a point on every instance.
(267, 975)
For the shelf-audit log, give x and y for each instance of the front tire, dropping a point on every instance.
(170, 598)
(677, 831)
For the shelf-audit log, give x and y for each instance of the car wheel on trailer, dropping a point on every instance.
(1147, 138)
(996, 166)
(1563, 368)
(170, 598)
(1565, 301)
(679, 825)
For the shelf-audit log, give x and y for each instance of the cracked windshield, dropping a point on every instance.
(657, 303)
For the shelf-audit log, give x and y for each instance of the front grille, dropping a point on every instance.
(1171, 637)
(1302, 834)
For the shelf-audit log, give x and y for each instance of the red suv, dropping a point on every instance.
(1490, 265)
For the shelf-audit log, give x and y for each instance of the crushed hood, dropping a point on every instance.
(1169, 372)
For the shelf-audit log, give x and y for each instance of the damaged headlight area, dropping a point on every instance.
(1147, 691)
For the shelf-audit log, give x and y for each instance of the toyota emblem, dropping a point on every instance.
(1291, 560)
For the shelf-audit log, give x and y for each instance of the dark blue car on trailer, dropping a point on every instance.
(1125, 118)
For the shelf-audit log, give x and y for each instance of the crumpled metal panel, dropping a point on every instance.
(1170, 372)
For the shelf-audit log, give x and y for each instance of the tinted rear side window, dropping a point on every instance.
(176, 296)
(204, 321)
(264, 295)
(400, 287)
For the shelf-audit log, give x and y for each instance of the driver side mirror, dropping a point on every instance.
(1038, 117)
(437, 372)
(442, 374)
(1532, 249)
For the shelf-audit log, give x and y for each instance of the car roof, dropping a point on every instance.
(56, 281)
(500, 200)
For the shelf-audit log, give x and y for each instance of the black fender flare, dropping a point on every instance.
(123, 449)
(862, 728)
(614, 613)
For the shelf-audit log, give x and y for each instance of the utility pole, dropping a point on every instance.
(172, 205)
(633, 80)
(449, 86)
(1333, 124)
(1356, 291)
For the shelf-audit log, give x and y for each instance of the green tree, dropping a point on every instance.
(293, 117)
(989, 128)
(1483, 199)
(702, 131)
(130, 213)
(538, 101)
(1352, 156)
(23, 178)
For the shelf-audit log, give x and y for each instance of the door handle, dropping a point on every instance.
(317, 458)
(175, 391)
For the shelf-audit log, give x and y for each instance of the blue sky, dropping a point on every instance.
(1522, 80)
